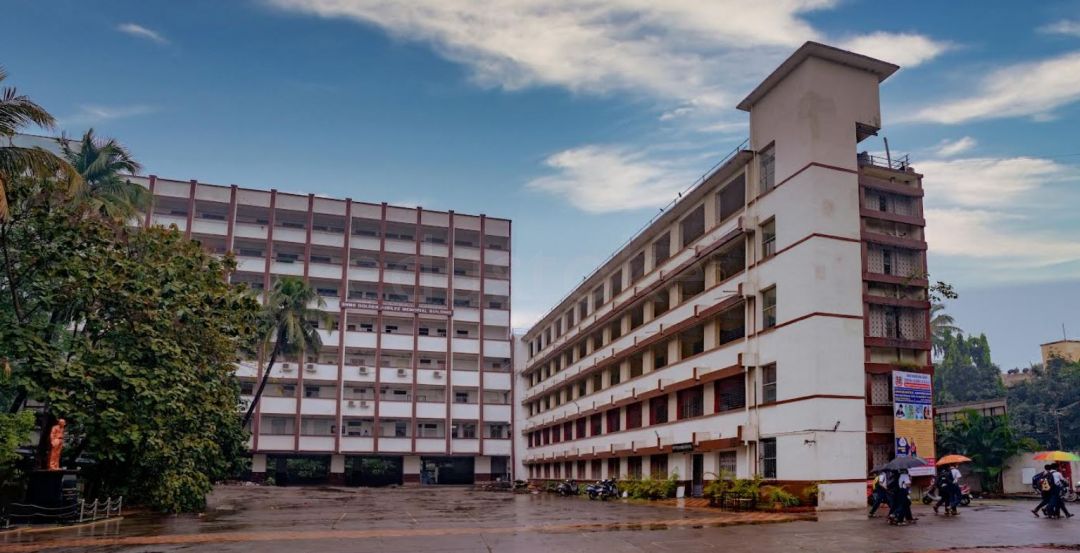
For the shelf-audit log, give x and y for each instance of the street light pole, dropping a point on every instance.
(1057, 420)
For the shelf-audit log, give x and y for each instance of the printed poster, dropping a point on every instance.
(913, 418)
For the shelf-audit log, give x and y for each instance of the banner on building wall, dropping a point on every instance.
(395, 307)
(913, 418)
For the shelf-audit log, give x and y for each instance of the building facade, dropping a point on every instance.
(1068, 350)
(414, 374)
(752, 328)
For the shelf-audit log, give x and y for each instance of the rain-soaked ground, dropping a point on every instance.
(329, 520)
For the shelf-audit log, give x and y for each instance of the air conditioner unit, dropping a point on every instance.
(748, 223)
(363, 370)
(352, 403)
(286, 368)
(438, 374)
(363, 404)
(284, 365)
(401, 372)
(310, 368)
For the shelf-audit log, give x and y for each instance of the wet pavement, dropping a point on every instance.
(328, 520)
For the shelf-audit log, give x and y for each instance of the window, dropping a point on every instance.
(637, 267)
(597, 382)
(613, 468)
(616, 375)
(727, 464)
(461, 397)
(658, 410)
(768, 308)
(581, 388)
(613, 422)
(311, 391)
(596, 422)
(633, 467)
(658, 466)
(579, 427)
(766, 170)
(731, 199)
(595, 468)
(887, 262)
(633, 416)
(597, 298)
(768, 383)
(661, 249)
(730, 394)
(616, 283)
(768, 239)
(693, 226)
(247, 388)
(691, 403)
(768, 457)
(660, 357)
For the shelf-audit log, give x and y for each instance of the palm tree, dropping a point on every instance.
(17, 112)
(104, 165)
(287, 321)
(941, 324)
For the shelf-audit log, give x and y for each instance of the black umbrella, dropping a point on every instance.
(906, 462)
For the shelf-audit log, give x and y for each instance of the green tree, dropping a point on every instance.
(105, 166)
(287, 323)
(940, 324)
(965, 371)
(129, 334)
(1043, 407)
(16, 112)
(988, 441)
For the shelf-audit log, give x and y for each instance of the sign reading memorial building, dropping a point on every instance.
(375, 305)
(913, 418)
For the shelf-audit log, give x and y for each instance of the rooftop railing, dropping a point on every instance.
(896, 163)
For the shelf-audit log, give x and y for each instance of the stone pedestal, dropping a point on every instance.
(46, 488)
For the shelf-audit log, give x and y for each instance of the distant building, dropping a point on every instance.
(1016, 376)
(1066, 349)
(948, 414)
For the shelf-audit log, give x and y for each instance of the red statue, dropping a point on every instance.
(56, 443)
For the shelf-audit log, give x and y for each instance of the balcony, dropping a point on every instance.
(900, 163)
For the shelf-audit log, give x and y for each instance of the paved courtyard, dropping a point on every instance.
(328, 520)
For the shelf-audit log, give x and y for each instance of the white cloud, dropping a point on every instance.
(989, 181)
(601, 179)
(950, 148)
(699, 55)
(139, 31)
(1034, 89)
(1064, 27)
(94, 114)
(989, 235)
(903, 49)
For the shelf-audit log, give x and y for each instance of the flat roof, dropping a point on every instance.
(818, 50)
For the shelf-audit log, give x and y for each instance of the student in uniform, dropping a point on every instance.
(1043, 483)
(880, 494)
(1060, 486)
(903, 500)
(954, 471)
(943, 483)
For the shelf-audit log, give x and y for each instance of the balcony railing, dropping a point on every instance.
(896, 163)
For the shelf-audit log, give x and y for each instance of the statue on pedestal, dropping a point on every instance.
(56, 444)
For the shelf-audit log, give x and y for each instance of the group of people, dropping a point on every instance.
(947, 484)
(893, 488)
(1052, 486)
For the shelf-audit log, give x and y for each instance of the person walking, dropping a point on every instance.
(892, 494)
(954, 472)
(943, 483)
(880, 493)
(1043, 483)
(1061, 486)
(903, 500)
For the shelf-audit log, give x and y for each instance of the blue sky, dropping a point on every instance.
(578, 119)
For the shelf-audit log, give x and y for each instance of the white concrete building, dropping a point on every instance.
(752, 327)
(415, 367)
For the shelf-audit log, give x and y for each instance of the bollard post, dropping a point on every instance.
(120, 506)
(82, 509)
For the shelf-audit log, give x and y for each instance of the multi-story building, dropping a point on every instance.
(415, 363)
(1069, 350)
(752, 327)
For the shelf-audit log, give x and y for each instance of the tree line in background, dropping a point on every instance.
(1043, 412)
(128, 333)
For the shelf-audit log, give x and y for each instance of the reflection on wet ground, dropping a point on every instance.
(458, 519)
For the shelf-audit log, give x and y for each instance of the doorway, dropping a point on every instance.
(697, 471)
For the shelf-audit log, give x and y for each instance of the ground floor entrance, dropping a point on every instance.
(374, 471)
(447, 470)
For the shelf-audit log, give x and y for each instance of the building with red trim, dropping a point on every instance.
(750, 329)
(415, 367)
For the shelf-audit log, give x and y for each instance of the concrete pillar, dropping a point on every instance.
(337, 470)
(258, 468)
(709, 398)
(482, 468)
(410, 465)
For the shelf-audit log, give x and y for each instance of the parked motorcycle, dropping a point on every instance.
(931, 496)
(602, 490)
(567, 488)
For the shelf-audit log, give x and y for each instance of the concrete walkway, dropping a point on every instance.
(328, 520)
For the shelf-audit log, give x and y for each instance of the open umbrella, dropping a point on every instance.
(953, 459)
(1056, 456)
(908, 462)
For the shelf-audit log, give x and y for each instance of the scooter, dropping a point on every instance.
(602, 490)
(930, 496)
(567, 488)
